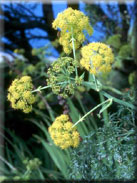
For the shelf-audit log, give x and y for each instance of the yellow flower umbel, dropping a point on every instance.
(59, 76)
(63, 134)
(72, 22)
(20, 94)
(97, 58)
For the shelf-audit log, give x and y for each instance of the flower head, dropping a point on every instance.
(20, 95)
(60, 75)
(72, 23)
(97, 58)
(32, 164)
(63, 134)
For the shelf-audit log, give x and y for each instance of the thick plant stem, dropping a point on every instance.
(81, 119)
(73, 47)
(97, 89)
(112, 89)
(74, 54)
(119, 101)
(127, 104)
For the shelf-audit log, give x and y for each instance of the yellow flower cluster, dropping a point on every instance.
(20, 95)
(97, 58)
(72, 23)
(60, 72)
(63, 134)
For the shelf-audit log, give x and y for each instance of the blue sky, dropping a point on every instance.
(57, 8)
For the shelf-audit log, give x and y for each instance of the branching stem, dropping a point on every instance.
(81, 119)
(45, 87)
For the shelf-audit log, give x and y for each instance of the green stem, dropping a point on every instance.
(105, 113)
(81, 119)
(45, 87)
(118, 100)
(92, 119)
(88, 84)
(28, 172)
(112, 89)
(41, 88)
(73, 45)
(74, 52)
(92, 86)
(97, 89)
(8, 164)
